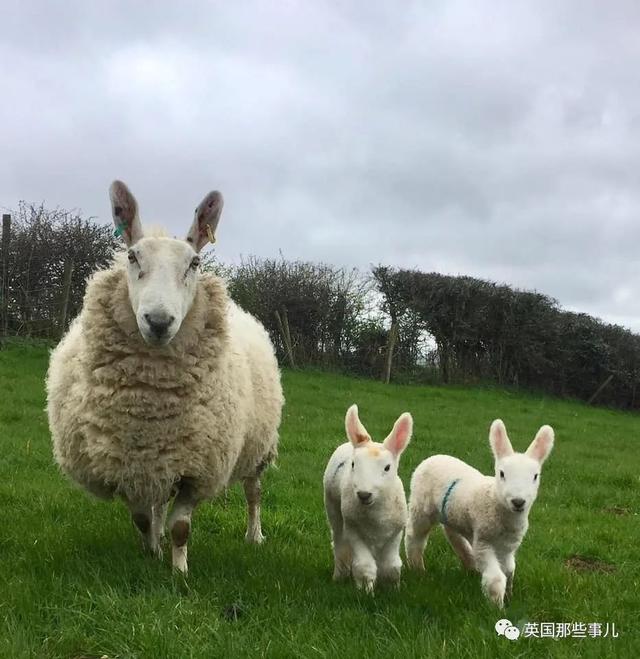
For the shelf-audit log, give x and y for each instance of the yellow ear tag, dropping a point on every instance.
(212, 238)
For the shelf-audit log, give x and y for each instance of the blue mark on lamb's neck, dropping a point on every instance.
(447, 495)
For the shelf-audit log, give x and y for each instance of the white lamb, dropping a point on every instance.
(163, 386)
(485, 518)
(365, 502)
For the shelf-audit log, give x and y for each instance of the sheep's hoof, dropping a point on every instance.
(367, 585)
(497, 599)
(152, 549)
(416, 563)
(181, 568)
(255, 538)
(391, 575)
(341, 573)
(179, 559)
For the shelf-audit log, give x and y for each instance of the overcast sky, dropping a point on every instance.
(495, 139)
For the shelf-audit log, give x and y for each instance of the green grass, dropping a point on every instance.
(73, 582)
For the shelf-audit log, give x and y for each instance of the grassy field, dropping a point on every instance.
(73, 582)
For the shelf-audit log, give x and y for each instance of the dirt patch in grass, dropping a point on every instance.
(616, 510)
(587, 564)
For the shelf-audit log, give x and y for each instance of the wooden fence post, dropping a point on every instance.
(600, 389)
(66, 292)
(283, 326)
(391, 344)
(4, 285)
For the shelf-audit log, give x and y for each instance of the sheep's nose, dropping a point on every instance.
(518, 504)
(365, 497)
(159, 323)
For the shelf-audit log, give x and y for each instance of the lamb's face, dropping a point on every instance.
(517, 482)
(518, 474)
(162, 273)
(374, 467)
(373, 470)
(162, 277)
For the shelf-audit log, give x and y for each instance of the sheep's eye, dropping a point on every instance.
(502, 475)
(353, 464)
(387, 468)
(535, 478)
(132, 257)
(195, 262)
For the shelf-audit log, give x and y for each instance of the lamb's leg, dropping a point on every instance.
(390, 564)
(419, 526)
(341, 548)
(142, 517)
(508, 564)
(253, 492)
(180, 526)
(364, 566)
(494, 580)
(461, 546)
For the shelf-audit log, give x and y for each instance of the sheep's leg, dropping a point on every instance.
(159, 520)
(341, 548)
(390, 564)
(461, 546)
(419, 526)
(253, 493)
(494, 580)
(364, 566)
(508, 564)
(142, 516)
(180, 526)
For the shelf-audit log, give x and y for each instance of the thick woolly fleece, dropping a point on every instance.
(130, 419)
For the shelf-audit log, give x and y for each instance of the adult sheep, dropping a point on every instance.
(163, 386)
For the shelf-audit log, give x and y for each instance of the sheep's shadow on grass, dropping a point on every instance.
(108, 550)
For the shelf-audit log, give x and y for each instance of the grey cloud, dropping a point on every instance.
(496, 139)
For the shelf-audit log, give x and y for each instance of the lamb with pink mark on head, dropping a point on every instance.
(365, 503)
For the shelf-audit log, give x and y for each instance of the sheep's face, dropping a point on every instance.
(162, 275)
(373, 470)
(518, 474)
(162, 272)
(517, 480)
(374, 467)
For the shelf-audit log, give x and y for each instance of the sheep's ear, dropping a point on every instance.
(356, 432)
(541, 446)
(400, 436)
(124, 209)
(205, 222)
(500, 444)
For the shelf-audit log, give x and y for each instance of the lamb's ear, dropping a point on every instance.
(356, 432)
(499, 440)
(124, 209)
(205, 222)
(541, 446)
(399, 437)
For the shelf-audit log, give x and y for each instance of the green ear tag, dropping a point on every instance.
(120, 229)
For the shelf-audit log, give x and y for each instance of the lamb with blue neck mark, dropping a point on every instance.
(485, 518)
